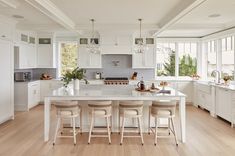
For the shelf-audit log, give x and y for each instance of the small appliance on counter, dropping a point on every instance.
(98, 75)
(22, 76)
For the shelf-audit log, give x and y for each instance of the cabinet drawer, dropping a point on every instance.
(204, 88)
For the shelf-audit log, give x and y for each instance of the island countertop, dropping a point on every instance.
(115, 93)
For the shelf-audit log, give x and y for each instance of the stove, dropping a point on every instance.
(116, 81)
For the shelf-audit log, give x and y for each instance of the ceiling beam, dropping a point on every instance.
(178, 13)
(7, 3)
(52, 11)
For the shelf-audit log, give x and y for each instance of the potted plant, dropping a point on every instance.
(75, 75)
(226, 79)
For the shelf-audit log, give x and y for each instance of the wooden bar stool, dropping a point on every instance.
(131, 109)
(163, 109)
(66, 110)
(100, 109)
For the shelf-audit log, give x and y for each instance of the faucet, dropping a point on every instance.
(217, 76)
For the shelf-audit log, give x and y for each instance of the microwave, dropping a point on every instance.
(22, 76)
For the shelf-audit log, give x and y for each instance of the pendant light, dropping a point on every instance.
(92, 46)
(140, 46)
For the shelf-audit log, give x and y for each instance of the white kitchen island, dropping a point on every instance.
(114, 93)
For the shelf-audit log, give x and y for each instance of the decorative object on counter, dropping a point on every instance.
(163, 84)
(226, 79)
(76, 75)
(195, 77)
(141, 85)
(134, 76)
(93, 47)
(45, 76)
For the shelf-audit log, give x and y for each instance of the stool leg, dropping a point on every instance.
(173, 127)
(108, 129)
(169, 126)
(141, 133)
(111, 123)
(57, 129)
(119, 122)
(91, 127)
(74, 131)
(155, 137)
(149, 122)
(81, 121)
(122, 131)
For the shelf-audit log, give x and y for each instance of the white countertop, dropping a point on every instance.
(125, 92)
(209, 83)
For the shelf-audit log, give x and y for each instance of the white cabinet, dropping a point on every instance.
(186, 87)
(145, 59)
(6, 83)
(87, 59)
(27, 95)
(25, 50)
(116, 49)
(204, 96)
(46, 56)
(47, 86)
(33, 94)
(223, 103)
(24, 56)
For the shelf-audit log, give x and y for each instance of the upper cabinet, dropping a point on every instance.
(46, 51)
(147, 59)
(25, 50)
(87, 59)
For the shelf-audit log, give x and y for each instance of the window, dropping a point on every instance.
(187, 59)
(68, 56)
(165, 59)
(211, 57)
(228, 56)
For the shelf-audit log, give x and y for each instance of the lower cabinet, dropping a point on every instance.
(203, 96)
(224, 101)
(27, 95)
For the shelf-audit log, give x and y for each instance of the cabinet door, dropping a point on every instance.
(33, 94)
(87, 59)
(137, 60)
(223, 103)
(150, 57)
(31, 53)
(45, 56)
(6, 83)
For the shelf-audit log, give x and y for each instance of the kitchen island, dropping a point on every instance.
(114, 93)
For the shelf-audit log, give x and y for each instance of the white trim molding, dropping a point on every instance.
(51, 10)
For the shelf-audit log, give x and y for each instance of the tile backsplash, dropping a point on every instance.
(119, 65)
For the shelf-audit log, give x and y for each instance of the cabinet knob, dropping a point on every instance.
(3, 36)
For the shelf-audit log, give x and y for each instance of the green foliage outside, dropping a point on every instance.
(69, 52)
(185, 68)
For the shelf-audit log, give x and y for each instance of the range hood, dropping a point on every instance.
(116, 49)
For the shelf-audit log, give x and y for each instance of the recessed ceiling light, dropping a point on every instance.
(18, 16)
(214, 15)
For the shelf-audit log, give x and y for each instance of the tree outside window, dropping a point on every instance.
(68, 56)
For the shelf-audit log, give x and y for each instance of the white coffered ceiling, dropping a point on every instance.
(164, 18)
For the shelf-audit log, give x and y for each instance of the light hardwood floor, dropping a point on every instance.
(206, 136)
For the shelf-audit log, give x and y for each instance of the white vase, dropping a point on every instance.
(76, 84)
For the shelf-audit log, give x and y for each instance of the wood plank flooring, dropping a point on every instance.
(206, 136)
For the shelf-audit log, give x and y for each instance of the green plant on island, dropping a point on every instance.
(77, 73)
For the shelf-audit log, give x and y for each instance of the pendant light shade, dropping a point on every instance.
(92, 46)
(140, 46)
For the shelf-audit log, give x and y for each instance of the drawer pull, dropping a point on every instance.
(3, 36)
